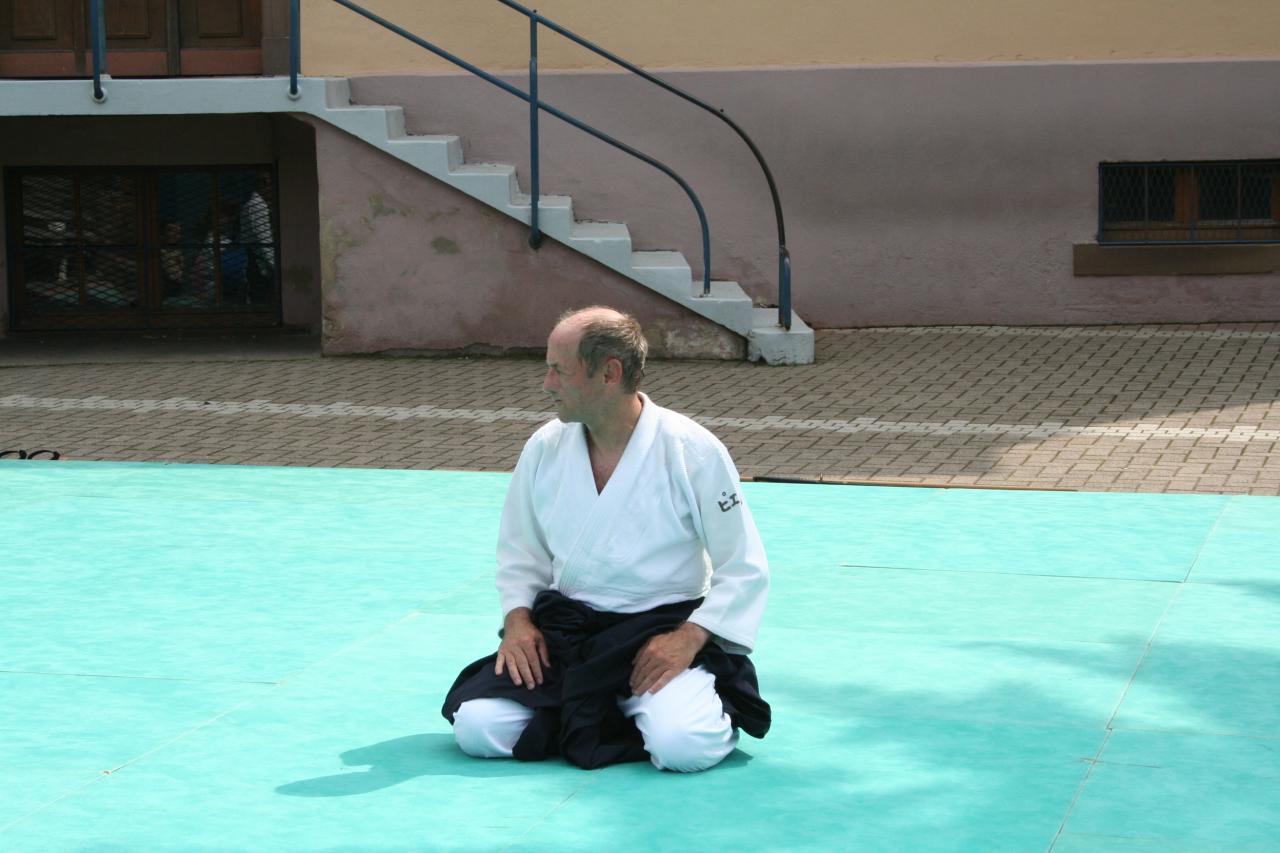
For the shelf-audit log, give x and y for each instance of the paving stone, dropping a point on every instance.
(1137, 408)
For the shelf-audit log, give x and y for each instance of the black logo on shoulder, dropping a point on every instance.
(729, 504)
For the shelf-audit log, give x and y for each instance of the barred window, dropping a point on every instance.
(1209, 202)
(143, 247)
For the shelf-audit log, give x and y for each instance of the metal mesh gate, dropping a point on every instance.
(1189, 202)
(143, 248)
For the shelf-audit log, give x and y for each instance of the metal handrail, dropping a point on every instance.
(295, 45)
(784, 257)
(535, 104)
(535, 233)
(560, 114)
(98, 38)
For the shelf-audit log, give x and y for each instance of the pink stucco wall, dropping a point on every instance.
(913, 194)
(410, 264)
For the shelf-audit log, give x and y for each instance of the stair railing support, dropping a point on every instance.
(784, 288)
(98, 37)
(295, 46)
(535, 104)
(784, 257)
(535, 234)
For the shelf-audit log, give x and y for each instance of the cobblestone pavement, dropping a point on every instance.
(1136, 408)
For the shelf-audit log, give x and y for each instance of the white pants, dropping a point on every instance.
(684, 724)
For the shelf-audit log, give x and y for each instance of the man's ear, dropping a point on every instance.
(612, 371)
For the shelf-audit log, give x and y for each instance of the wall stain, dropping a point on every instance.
(334, 241)
(330, 326)
(379, 208)
(445, 246)
(693, 337)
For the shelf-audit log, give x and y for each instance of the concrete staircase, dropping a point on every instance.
(329, 99)
(667, 273)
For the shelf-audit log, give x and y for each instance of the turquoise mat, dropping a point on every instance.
(234, 658)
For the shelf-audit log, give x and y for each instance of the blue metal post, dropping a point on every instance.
(295, 45)
(535, 234)
(718, 113)
(706, 252)
(560, 114)
(98, 36)
(784, 288)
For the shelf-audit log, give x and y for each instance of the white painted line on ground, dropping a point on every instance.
(1071, 332)
(266, 407)
(1048, 429)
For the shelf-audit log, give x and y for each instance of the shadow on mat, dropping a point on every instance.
(394, 761)
(399, 760)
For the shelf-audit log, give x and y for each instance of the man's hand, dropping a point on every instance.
(666, 656)
(523, 652)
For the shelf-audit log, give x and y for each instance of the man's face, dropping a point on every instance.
(575, 394)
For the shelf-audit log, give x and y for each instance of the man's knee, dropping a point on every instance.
(684, 724)
(689, 749)
(489, 728)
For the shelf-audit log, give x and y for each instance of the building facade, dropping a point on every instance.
(981, 162)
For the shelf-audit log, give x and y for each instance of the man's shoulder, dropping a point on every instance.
(548, 435)
(540, 446)
(692, 436)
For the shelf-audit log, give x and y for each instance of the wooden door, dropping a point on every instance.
(145, 38)
(221, 36)
(137, 37)
(40, 38)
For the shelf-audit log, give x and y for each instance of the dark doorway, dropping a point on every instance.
(145, 38)
(143, 248)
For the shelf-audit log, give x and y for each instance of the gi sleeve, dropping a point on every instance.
(739, 583)
(524, 561)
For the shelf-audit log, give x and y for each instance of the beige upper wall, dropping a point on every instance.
(737, 33)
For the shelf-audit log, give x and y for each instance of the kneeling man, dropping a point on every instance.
(631, 576)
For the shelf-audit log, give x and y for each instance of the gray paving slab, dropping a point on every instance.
(1188, 408)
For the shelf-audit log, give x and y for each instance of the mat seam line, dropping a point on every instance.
(133, 677)
(1079, 792)
(1204, 543)
(106, 773)
(1110, 730)
(545, 817)
(1006, 574)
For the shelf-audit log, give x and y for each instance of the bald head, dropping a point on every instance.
(601, 334)
(594, 314)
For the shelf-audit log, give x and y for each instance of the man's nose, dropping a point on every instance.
(547, 379)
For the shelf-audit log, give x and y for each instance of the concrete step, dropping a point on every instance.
(555, 214)
(337, 91)
(727, 304)
(667, 273)
(607, 242)
(492, 183)
(373, 124)
(773, 344)
(432, 154)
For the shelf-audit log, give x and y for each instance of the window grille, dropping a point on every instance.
(143, 247)
(1209, 202)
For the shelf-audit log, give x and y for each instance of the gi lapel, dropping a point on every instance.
(613, 505)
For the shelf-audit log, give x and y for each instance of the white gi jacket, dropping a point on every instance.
(671, 525)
